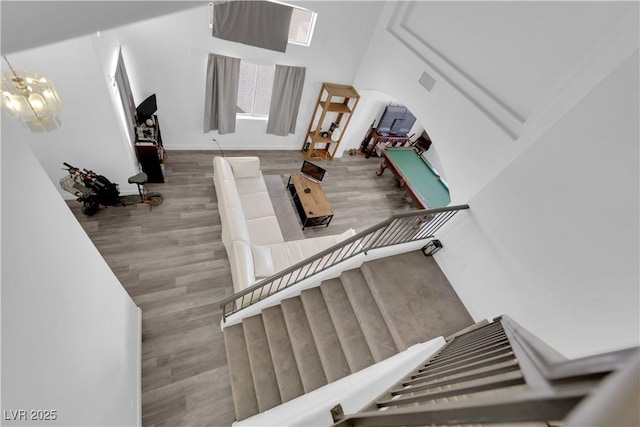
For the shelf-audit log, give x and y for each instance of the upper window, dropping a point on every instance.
(302, 24)
(254, 90)
(230, 22)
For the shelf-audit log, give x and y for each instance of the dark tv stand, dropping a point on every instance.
(150, 151)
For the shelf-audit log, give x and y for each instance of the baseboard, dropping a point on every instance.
(210, 147)
(401, 248)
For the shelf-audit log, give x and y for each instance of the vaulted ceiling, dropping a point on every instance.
(29, 24)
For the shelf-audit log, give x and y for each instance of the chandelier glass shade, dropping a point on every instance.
(30, 98)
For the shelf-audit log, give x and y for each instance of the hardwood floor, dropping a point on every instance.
(171, 261)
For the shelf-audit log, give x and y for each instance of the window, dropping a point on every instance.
(301, 28)
(254, 90)
(233, 18)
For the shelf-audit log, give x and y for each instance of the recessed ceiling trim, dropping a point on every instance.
(504, 117)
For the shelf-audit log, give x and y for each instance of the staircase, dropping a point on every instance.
(498, 373)
(480, 364)
(344, 325)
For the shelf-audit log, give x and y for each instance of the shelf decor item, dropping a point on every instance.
(334, 108)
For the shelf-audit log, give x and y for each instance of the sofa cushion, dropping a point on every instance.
(264, 231)
(256, 205)
(245, 167)
(250, 185)
(345, 235)
(309, 247)
(289, 253)
(286, 254)
(262, 261)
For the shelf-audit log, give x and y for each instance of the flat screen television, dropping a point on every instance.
(396, 120)
(146, 109)
(313, 171)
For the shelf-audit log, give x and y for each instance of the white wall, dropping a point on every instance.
(92, 134)
(552, 241)
(547, 190)
(70, 333)
(476, 135)
(168, 56)
(469, 144)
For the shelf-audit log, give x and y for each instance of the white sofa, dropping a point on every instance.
(250, 231)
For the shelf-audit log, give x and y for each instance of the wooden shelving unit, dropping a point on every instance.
(334, 108)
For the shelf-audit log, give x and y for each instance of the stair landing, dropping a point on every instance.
(415, 297)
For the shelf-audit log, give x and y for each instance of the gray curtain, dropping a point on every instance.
(257, 23)
(285, 99)
(126, 97)
(223, 73)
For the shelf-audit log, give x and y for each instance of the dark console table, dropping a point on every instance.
(370, 142)
(150, 151)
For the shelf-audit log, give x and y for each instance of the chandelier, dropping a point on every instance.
(32, 99)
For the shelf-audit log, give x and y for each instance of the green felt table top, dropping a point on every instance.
(420, 176)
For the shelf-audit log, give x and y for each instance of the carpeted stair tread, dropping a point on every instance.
(244, 397)
(284, 361)
(304, 348)
(418, 304)
(371, 320)
(264, 377)
(354, 345)
(345, 325)
(324, 334)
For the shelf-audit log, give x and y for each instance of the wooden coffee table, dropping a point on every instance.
(312, 204)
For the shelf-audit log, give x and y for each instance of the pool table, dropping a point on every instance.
(425, 187)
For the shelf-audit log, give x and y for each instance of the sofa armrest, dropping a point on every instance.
(241, 262)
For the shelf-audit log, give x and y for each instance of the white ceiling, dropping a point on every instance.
(29, 24)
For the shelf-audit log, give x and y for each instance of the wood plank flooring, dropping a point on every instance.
(173, 264)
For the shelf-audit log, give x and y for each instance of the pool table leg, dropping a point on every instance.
(383, 167)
